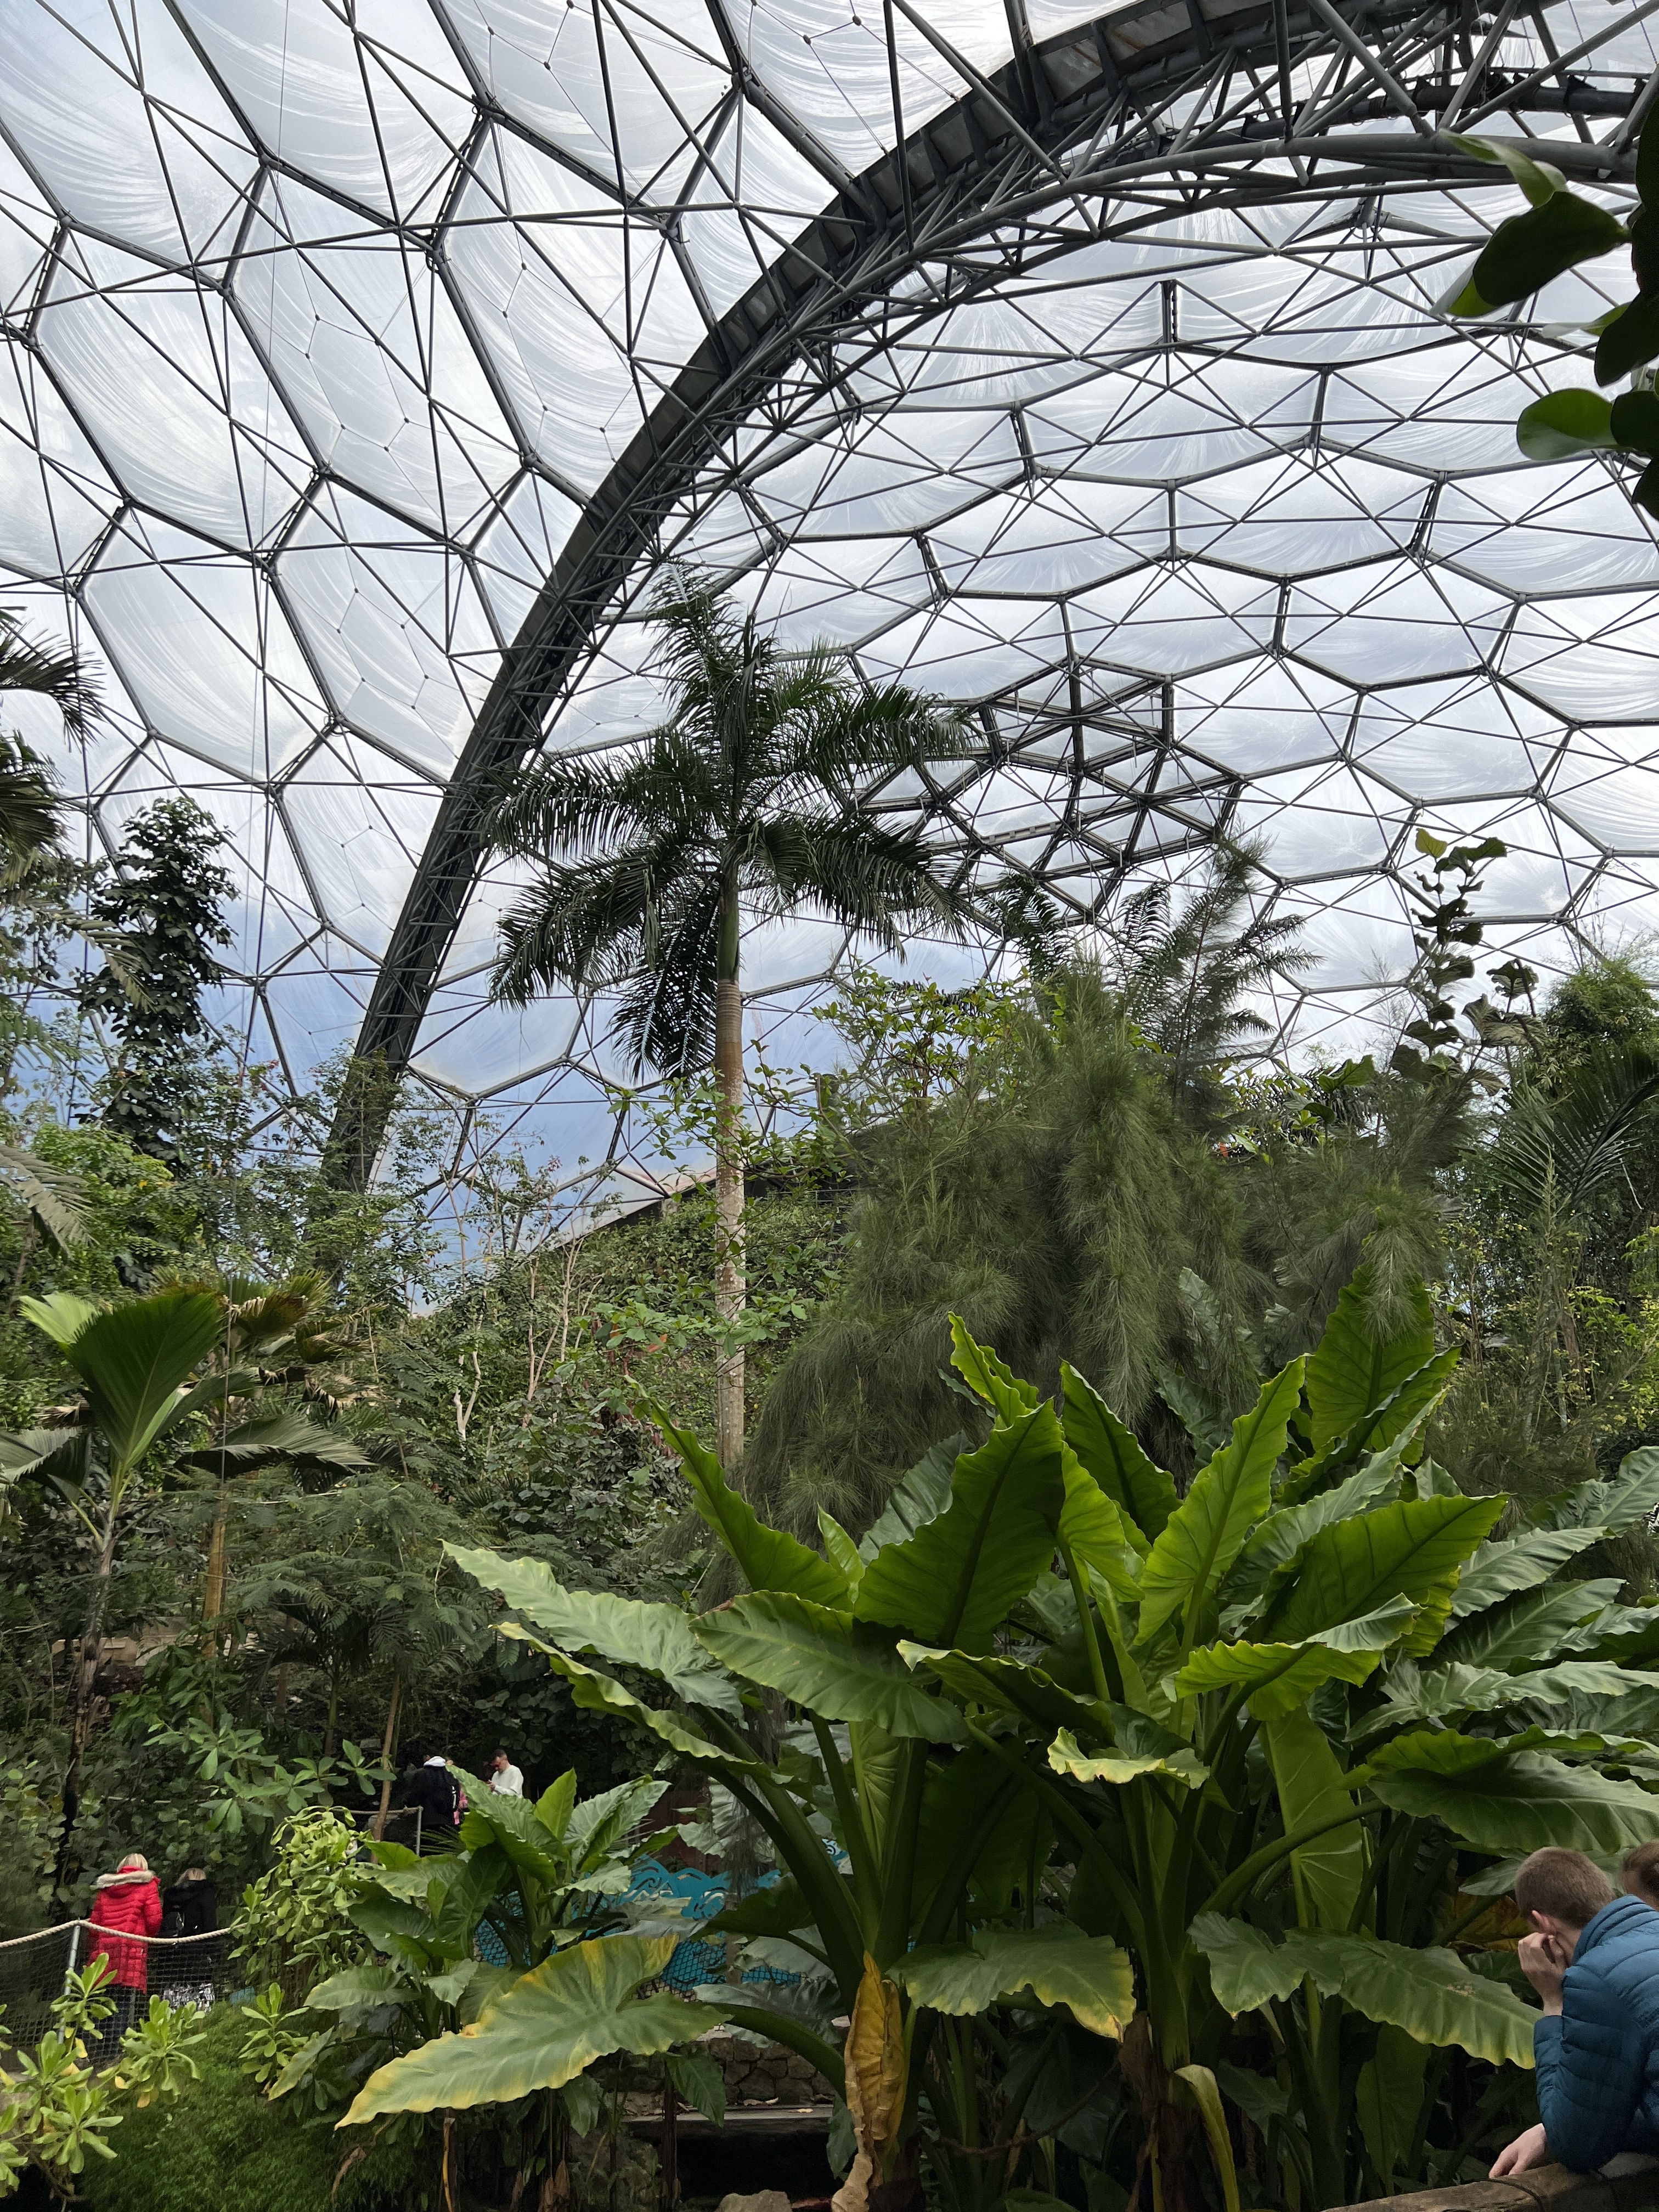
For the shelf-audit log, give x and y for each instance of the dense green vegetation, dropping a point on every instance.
(242, 1598)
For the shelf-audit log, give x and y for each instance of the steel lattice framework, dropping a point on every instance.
(365, 356)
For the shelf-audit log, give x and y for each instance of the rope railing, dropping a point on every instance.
(36, 1968)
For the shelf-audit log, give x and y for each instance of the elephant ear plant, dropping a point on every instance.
(1194, 1775)
(537, 1884)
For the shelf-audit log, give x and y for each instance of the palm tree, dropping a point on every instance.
(29, 803)
(1186, 973)
(746, 798)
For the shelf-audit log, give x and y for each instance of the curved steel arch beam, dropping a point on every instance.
(992, 187)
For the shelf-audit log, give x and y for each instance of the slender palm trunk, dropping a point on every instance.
(213, 1591)
(86, 1677)
(729, 1283)
(387, 1748)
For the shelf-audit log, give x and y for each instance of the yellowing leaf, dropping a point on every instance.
(874, 2059)
(1066, 1757)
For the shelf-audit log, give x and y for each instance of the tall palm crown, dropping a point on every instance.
(745, 798)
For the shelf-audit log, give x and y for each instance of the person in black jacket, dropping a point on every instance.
(435, 1789)
(190, 1906)
(189, 1970)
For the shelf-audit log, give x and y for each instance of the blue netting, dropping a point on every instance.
(696, 1959)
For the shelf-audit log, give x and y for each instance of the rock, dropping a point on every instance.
(764, 2200)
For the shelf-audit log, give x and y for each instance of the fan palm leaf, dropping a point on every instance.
(57, 1197)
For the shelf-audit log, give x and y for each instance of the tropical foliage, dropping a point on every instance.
(1560, 229)
(1147, 1764)
(67, 2094)
(742, 803)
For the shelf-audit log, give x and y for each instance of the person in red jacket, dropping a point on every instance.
(128, 1903)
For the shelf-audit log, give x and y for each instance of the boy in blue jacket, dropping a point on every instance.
(1594, 1960)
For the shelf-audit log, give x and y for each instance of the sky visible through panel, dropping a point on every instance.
(330, 328)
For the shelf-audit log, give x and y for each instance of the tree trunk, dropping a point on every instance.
(1167, 2152)
(387, 1747)
(452, 2200)
(668, 2158)
(213, 1591)
(86, 1676)
(729, 1283)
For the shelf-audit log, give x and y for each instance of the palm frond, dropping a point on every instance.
(1022, 914)
(665, 1016)
(1557, 1151)
(576, 927)
(605, 801)
(750, 788)
(867, 875)
(31, 810)
(58, 676)
(831, 734)
(1185, 974)
(57, 1197)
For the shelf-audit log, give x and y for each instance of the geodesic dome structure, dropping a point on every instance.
(364, 357)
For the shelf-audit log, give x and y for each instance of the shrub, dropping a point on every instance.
(219, 2146)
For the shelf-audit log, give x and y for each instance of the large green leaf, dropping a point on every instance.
(839, 1550)
(658, 1638)
(1440, 1691)
(1564, 424)
(921, 1497)
(1519, 1801)
(599, 1693)
(991, 1379)
(286, 1435)
(1628, 339)
(769, 1558)
(1529, 251)
(512, 1824)
(1328, 1871)
(541, 2031)
(556, 1803)
(1280, 1676)
(1399, 1426)
(133, 1359)
(1092, 1526)
(1055, 1964)
(955, 1580)
(1626, 1501)
(1009, 1686)
(1275, 1543)
(1430, 1994)
(1144, 1492)
(969, 1800)
(1514, 1564)
(358, 1986)
(1539, 180)
(1207, 1531)
(778, 1909)
(596, 1825)
(840, 1669)
(1094, 1530)
(1353, 1371)
(1537, 1627)
(1414, 1549)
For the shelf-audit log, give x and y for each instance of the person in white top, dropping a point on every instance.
(506, 1780)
